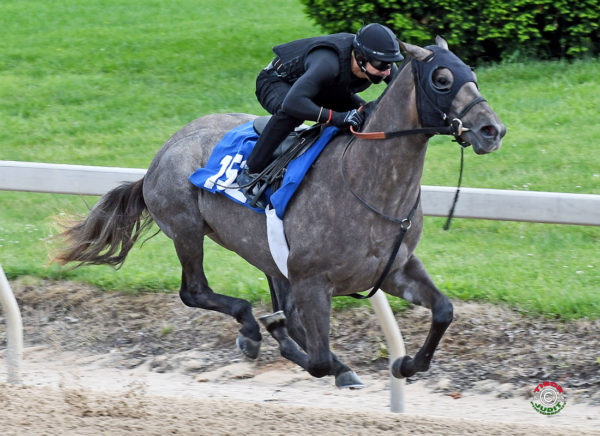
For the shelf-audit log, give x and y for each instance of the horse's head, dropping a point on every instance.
(447, 94)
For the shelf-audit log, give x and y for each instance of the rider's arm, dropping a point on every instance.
(322, 68)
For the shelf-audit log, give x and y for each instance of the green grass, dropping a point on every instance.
(107, 82)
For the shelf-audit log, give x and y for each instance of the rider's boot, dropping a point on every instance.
(252, 191)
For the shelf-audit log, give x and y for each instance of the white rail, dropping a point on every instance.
(493, 204)
(498, 204)
(395, 345)
(63, 179)
(532, 206)
(14, 330)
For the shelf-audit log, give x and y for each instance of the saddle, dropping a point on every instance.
(297, 135)
(295, 145)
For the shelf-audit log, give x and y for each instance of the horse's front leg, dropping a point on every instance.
(312, 299)
(414, 285)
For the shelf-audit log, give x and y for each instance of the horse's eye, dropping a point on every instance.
(442, 79)
(443, 83)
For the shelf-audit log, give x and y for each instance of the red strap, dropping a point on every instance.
(369, 135)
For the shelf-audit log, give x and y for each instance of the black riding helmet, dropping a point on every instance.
(377, 42)
(378, 45)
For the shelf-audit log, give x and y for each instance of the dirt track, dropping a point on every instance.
(118, 364)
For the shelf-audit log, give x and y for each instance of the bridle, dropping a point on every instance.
(450, 126)
(454, 127)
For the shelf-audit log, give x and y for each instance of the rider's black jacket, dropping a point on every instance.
(319, 70)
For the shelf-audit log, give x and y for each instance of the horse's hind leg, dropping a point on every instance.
(414, 285)
(195, 292)
(279, 329)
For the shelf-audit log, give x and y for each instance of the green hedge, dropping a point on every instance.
(477, 30)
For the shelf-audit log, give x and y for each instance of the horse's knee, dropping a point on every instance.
(443, 312)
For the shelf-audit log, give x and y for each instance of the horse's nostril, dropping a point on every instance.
(489, 131)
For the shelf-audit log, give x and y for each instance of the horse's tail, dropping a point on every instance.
(110, 229)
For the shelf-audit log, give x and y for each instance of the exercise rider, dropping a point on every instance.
(318, 79)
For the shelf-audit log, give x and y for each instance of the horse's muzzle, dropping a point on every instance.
(487, 138)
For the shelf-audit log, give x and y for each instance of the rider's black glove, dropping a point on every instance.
(352, 118)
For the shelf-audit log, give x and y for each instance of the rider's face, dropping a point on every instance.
(377, 72)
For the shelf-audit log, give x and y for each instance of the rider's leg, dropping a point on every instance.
(277, 129)
(270, 92)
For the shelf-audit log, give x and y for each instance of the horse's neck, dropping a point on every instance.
(394, 165)
(397, 108)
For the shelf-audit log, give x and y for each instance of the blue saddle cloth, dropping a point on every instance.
(229, 156)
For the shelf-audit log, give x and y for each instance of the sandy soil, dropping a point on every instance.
(119, 364)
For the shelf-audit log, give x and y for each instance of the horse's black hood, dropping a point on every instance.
(434, 104)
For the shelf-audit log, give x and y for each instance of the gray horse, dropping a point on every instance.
(340, 226)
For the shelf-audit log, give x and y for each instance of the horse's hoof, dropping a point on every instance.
(348, 380)
(249, 347)
(273, 320)
(403, 367)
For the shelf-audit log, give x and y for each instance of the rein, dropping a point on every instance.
(455, 128)
(405, 224)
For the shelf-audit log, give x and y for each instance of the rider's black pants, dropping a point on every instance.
(271, 91)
